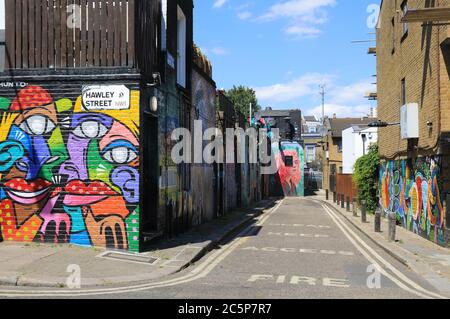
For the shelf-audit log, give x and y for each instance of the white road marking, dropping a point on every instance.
(299, 250)
(351, 235)
(201, 271)
(300, 225)
(297, 235)
(302, 280)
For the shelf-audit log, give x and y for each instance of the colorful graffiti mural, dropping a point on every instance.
(413, 192)
(69, 170)
(290, 164)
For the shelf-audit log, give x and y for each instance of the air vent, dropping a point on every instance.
(126, 257)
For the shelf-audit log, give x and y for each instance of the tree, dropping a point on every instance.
(366, 178)
(242, 96)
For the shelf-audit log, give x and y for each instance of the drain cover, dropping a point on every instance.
(129, 257)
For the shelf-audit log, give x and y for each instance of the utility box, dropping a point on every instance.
(409, 121)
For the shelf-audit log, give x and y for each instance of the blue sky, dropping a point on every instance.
(285, 49)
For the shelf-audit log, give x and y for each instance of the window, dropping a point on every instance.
(403, 97)
(393, 34)
(310, 153)
(181, 48)
(312, 129)
(404, 8)
(289, 161)
(339, 145)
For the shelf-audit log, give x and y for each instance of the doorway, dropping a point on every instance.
(150, 190)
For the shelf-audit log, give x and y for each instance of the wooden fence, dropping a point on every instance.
(345, 187)
(80, 33)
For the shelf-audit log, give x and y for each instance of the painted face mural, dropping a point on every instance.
(290, 164)
(69, 175)
(412, 190)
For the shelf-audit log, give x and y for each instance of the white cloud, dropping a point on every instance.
(215, 51)
(219, 51)
(340, 110)
(219, 3)
(304, 9)
(304, 86)
(344, 100)
(304, 15)
(302, 31)
(244, 15)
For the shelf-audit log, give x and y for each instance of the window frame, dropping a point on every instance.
(405, 27)
(403, 99)
(181, 47)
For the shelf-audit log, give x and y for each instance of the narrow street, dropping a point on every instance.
(300, 249)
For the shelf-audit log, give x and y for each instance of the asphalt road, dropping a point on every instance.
(299, 250)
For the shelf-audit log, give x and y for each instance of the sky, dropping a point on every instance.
(285, 49)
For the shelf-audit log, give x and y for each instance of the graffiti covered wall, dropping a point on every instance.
(289, 181)
(202, 180)
(69, 167)
(413, 190)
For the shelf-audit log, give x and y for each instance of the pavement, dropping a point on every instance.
(424, 257)
(50, 266)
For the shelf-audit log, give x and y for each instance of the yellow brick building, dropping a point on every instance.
(413, 65)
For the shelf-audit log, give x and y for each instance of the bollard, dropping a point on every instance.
(348, 204)
(342, 201)
(378, 221)
(392, 226)
(363, 212)
(338, 198)
(334, 198)
(355, 208)
(327, 195)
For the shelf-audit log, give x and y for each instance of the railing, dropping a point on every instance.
(81, 33)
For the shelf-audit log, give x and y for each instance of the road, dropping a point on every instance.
(300, 249)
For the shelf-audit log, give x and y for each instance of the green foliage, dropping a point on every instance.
(242, 96)
(365, 177)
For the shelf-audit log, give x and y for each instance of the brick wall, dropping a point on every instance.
(422, 58)
(335, 158)
(416, 57)
(71, 165)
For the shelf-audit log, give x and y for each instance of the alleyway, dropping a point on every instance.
(300, 249)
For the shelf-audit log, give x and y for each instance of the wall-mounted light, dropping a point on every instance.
(154, 104)
(430, 127)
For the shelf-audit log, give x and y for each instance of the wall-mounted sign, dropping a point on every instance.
(106, 97)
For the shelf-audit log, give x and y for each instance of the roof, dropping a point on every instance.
(274, 113)
(310, 118)
(337, 125)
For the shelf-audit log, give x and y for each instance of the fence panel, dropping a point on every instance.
(71, 33)
(346, 187)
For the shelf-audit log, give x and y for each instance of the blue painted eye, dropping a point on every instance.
(120, 152)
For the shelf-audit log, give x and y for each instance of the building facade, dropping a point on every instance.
(87, 112)
(356, 142)
(413, 63)
(312, 130)
(332, 148)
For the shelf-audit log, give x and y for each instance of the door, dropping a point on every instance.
(150, 190)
